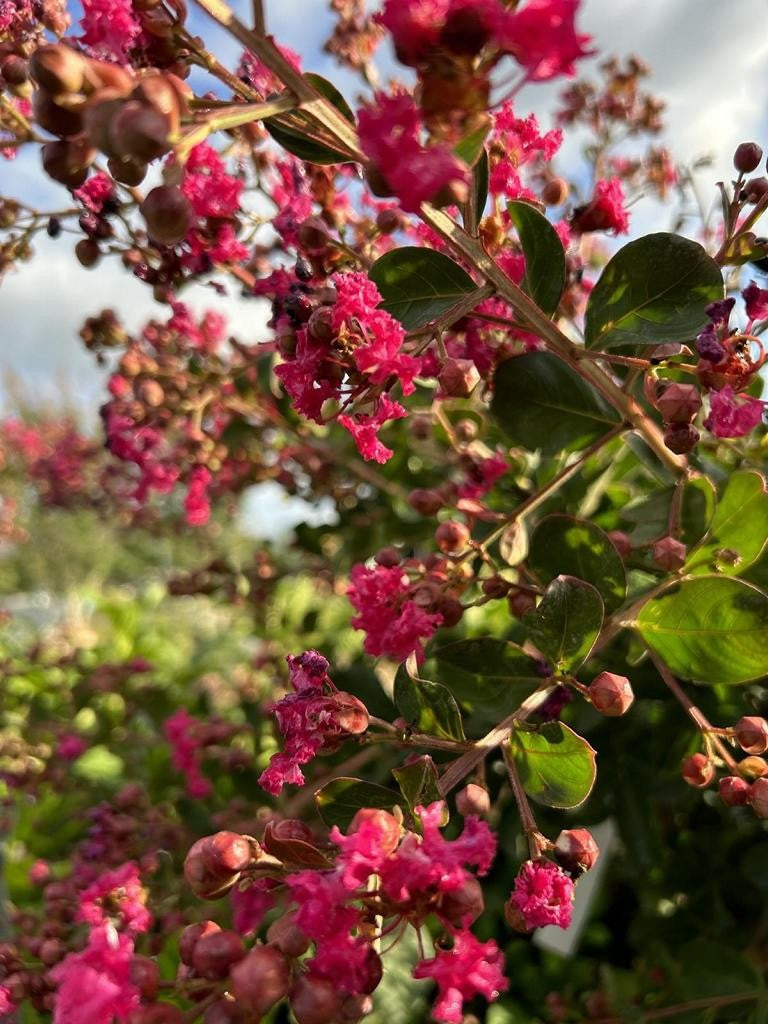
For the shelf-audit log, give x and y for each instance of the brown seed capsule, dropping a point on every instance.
(389, 221)
(87, 252)
(576, 851)
(733, 790)
(425, 502)
(473, 799)
(520, 602)
(260, 980)
(100, 74)
(14, 70)
(67, 162)
(751, 734)
(168, 213)
(698, 771)
(757, 798)
(452, 537)
(753, 767)
(458, 377)
(747, 157)
(679, 403)
(215, 953)
(313, 236)
(681, 438)
(98, 113)
(669, 554)
(610, 694)
(139, 132)
(756, 189)
(58, 68)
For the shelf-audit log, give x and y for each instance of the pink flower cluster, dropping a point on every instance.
(517, 141)
(543, 894)
(97, 190)
(732, 415)
(111, 29)
(394, 624)
(118, 897)
(316, 716)
(180, 730)
(215, 197)
(605, 211)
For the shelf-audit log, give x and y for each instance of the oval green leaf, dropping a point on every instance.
(576, 547)
(654, 290)
(420, 784)
(339, 801)
(544, 277)
(566, 623)
(738, 533)
(293, 131)
(428, 707)
(649, 518)
(556, 766)
(418, 284)
(487, 674)
(540, 403)
(711, 629)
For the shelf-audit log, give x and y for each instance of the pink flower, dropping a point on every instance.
(179, 730)
(543, 894)
(116, 896)
(96, 191)
(605, 211)
(389, 136)
(394, 624)
(71, 746)
(756, 300)
(470, 968)
(196, 503)
(364, 428)
(95, 984)
(321, 898)
(522, 142)
(482, 476)
(110, 28)
(7, 1006)
(415, 26)
(731, 415)
(543, 39)
(250, 905)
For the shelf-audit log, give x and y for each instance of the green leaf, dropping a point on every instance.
(712, 629)
(654, 290)
(650, 517)
(566, 623)
(418, 284)
(556, 766)
(480, 176)
(418, 782)
(487, 674)
(544, 277)
(293, 131)
(471, 148)
(340, 800)
(429, 707)
(576, 547)
(99, 766)
(540, 403)
(739, 531)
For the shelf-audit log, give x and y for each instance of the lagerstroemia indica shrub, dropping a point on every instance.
(356, 775)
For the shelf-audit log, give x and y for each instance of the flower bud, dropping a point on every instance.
(223, 1011)
(679, 403)
(155, 90)
(284, 934)
(214, 863)
(751, 734)
(621, 542)
(386, 824)
(145, 975)
(698, 770)
(610, 694)
(58, 68)
(388, 557)
(14, 70)
(495, 587)
(473, 799)
(168, 213)
(451, 610)
(320, 325)
(576, 851)
(139, 132)
(350, 713)
(458, 377)
(191, 936)
(216, 952)
(681, 438)
(67, 162)
(733, 790)
(313, 236)
(127, 171)
(757, 798)
(520, 602)
(260, 980)
(55, 118)
(87, 253)
(669, 554)
(555, 192)
(425, 502)
(291, 828)
(451, 536)
(461, 907)
(314, 1000)
(755, 190)
(389, 221)
(747, 157)
(753, 767)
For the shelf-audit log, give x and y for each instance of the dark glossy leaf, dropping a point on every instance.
(419, 783)
(649, 518)
(576, 547)
(487, 674)
(712, 629)
(340, 800)
(480, 178)
(418, 284)
(293, 131)
(738, 533)
(556, 766)
(566, 623)
(544, 277)
(428, 707)
(295, 852)
(542, 404)
(654, 290)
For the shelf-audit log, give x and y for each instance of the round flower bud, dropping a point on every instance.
(495, 587)
(354, 1008)
(753, 767)
(425, 502)
(679, 403)
(555, 192)
(215, 953)
(757, 798)
(747, 157)
(67, 162)
(54, 118)
(224, 1011)
(452, 536)
(127, 171)
(610, 694)
(313, 236)
(58, 68)
(314, 1000)
(226, 852)
(520, 602)
(681, 438)
(473, 799)
(14, 70)
(756, 189)
(191, 936)
(388, 557)
(669, 554)
(389, 221)
(214, 863)
(697, 770)
(320, 325)
(87, 252)
(350, 713)
(168, 213)
(145, 975)
(451, 610)
(576, 851)
(751, 734)
(260, 980)
(139, 132)
(458, 377)
(733, 790)
(621, 542)
(157, 91)
(461, 907)
(386, 825)
(284, 934)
